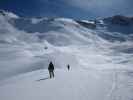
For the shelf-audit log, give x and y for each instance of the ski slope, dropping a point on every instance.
(100, 57)
(75, 84)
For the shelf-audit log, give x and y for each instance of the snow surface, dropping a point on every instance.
(75, 84)
(101, 60)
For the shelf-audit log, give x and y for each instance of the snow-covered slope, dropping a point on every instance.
(29, 44)
(76, 84)
(72, 85)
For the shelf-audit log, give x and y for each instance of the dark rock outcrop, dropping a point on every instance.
(87, 24)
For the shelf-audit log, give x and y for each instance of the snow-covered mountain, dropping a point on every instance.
(120, 24)
(98, 51)
(27, 42)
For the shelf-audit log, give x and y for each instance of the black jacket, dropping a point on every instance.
(51, 66)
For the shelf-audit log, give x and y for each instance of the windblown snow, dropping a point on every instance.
(100, 54)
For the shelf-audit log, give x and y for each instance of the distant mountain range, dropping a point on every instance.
(32, 41)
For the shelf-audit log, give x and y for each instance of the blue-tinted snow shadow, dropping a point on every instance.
(43, 79)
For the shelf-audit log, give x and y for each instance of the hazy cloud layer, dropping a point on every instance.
(69, 8)
(104, 7)
(97, 8)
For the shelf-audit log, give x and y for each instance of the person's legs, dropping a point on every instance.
(50, 74)
(53, 73)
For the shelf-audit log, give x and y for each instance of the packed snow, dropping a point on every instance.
(100, 60)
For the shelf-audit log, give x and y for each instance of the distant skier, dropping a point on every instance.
(68, 67)
(51, 69)
(45, 47)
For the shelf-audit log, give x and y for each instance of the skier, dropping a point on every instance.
(45, 47)
(51, 69)
(68, 66)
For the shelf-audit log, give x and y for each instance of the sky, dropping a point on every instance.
(77, 9)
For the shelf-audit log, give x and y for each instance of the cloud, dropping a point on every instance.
(104, 7)
(81, 9)
(97, 3)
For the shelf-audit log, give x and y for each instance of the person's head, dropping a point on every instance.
(50, 62)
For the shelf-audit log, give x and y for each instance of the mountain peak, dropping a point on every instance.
(8, 14)
(120, 20)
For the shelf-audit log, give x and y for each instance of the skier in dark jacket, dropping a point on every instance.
(68, 66)
(51, 69)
